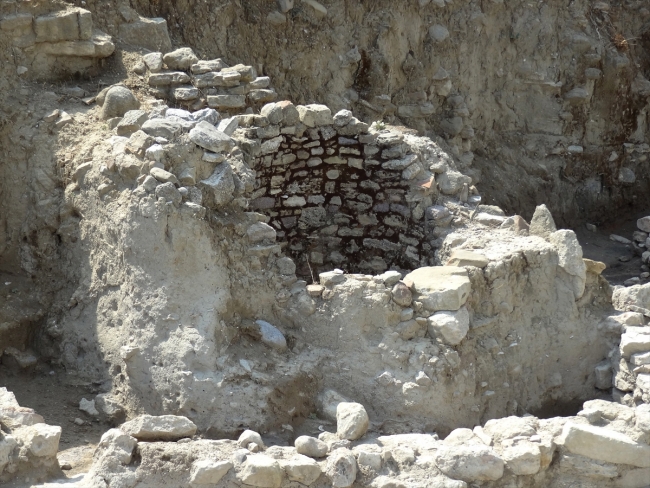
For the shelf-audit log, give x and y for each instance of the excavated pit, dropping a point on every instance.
(152, 307)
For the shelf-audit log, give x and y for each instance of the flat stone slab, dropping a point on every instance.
(160, 428)
(461, 257)
(440, 287)
(604, 445)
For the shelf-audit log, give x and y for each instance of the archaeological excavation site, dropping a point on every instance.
(333, 243)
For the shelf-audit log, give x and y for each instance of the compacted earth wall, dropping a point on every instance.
(327, 287)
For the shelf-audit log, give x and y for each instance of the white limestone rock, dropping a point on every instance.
(351, 420)
(440, 287)
(159, 428)
(451, 327)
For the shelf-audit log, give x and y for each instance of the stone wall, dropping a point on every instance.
(55, 43)
(341, 196)
(337, 192)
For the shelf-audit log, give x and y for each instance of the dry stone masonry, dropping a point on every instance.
(269, 294)
(63, 42)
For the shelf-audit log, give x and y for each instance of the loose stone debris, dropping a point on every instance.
(254, 264)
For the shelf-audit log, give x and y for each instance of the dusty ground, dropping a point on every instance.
(55, 396)
(599, 247)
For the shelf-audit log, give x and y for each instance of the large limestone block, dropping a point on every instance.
(59, 26)
(150, 34)
(522, 457)
(160, 428)
(470, 463)
(41, 440)
(637, 295)
(634, 340)
(351, 420)
(310, 446)
(570, 258)
(209, 137)
(117, 445)
(461, 257)
(315, 115)
(451, 327)
(604, 445)
(341, 468)
(181, 58)
(162, 128)
(261, 471)
(7, 445)
(118, 101)
(208, 472)
(440, 287)
(510, 427)
(219, 188)
(302, 469)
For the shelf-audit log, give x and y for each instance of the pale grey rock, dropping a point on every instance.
(260, 231)
(626, 176)
(635, 340)
(603, 373)
(88, 406)
(118, 100)
(341, 468)
(451, 327)
(451, 182)
(180, 59)
(577, 95)
(644, 224)
(315, 115)
(286, 266)
(159, 428)
(167, 78)
(229, 125)
(219, 188)
(131, 122)
(155, 153)
(154, 61)
(570, 258)
(209, 472)
(116, 444)
(342, 118)
(302, 469)
(208, 137)
(148, 33)
(604, 445)
(369, 459)
(438, 33)
(402, 295)
(329, 278)
(108, 405)
(522, 457)
(310, 446)
(250, 437)
(271, 335)
(352, 420)
(470, 463)
(390, 278)
(163, 176)
(169, 193)
(202, 66)
(209, 115)
(440, 287)
(261, 471)
(542, 223)
(40, 440)
(162, 128)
